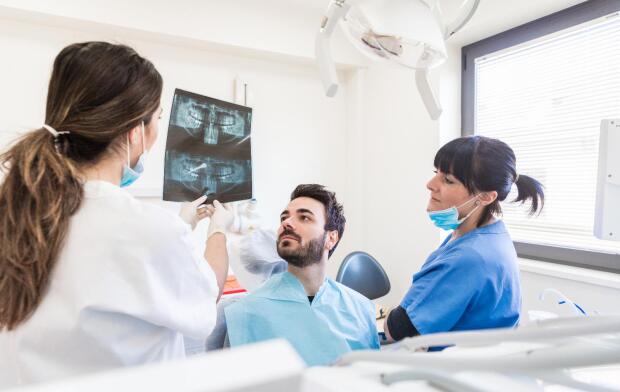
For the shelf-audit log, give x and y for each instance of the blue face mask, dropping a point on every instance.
(448, 219)
(130, 175)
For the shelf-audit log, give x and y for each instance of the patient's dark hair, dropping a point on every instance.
(484, 164)
(334, 214)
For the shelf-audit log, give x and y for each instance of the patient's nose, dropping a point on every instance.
(288, 223)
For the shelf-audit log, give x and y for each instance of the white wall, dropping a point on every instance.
(595, 291)
(373, 144)
(450, 95)
(298, 135)
(400, 141)
(254, 27)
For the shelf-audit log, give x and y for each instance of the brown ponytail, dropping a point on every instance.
(39, 193)
(98, 92)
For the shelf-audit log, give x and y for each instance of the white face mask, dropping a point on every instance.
(130, 175)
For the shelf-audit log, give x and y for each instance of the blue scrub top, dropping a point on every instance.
(469, 283)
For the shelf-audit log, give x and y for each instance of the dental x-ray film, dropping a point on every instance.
(207, 150)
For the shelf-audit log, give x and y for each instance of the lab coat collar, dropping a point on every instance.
(286, 287)
(98, 188)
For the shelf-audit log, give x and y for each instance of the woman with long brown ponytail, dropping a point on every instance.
(91, 278)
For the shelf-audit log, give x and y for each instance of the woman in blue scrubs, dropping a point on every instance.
(472, 280)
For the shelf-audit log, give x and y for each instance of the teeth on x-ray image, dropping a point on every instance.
(207, 150)
(211, 121)
(206, 175)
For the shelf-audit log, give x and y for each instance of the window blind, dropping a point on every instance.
(546, 99)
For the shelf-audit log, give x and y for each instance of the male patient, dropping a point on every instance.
(321, 318)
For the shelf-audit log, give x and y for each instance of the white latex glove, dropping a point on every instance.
(221, 218)
(193, 212)
(246, 217)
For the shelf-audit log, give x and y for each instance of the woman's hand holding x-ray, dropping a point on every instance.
(193, 212)
(221, 218)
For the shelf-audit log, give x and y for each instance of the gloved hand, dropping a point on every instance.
(258, 253)
(221, 218)
(193, 212)
(246, 217)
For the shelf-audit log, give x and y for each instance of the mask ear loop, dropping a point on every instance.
(128, 155)
(143, 144)
(143, 137)
(472, 211)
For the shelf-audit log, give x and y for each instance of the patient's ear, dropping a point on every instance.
(332, 239)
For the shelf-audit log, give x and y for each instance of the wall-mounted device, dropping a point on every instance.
(607, 215)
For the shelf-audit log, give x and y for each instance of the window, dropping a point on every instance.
(544, 88)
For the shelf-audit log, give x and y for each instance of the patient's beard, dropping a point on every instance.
(306, 255)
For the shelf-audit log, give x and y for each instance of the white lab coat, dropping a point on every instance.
(127, 286)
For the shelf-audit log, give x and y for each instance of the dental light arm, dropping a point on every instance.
(468, 10)
(426, 90)
(323, 53)
(429, 98)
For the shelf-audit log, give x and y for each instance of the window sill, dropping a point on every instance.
(584, 275)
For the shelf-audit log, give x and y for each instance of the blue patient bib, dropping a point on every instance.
(337, 321)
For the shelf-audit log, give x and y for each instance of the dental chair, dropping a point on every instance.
(363, 273)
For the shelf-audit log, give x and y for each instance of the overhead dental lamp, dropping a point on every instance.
(410, 33)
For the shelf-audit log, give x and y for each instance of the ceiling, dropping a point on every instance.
(496, 16)
(492, 16)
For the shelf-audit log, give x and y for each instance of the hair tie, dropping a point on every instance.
(517, 178)
(55, 133)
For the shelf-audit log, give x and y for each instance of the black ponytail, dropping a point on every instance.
(484, 164)
(530, 189)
